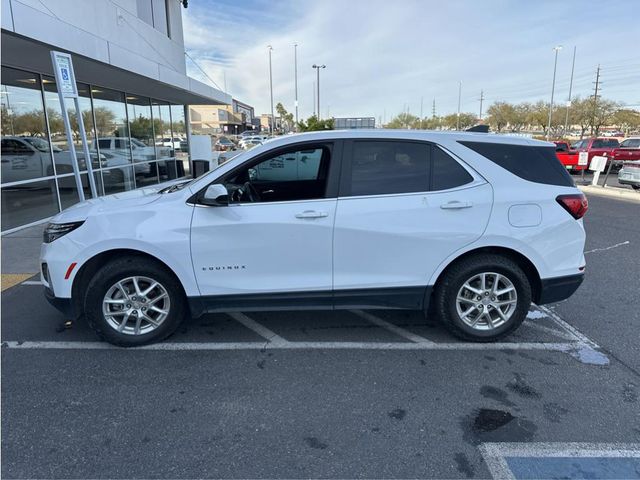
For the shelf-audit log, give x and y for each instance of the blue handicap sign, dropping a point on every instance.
(65, 73)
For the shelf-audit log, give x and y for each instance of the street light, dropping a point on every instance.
(553, 87)
(318, 67)
(273, 119)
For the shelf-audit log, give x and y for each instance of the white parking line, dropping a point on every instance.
(285, 345)
(494, 454)
(543, 328)
(257, 328)
(568, 328)
(32, 282)
(607, 248)
(391, 327)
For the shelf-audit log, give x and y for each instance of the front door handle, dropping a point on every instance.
(456, 205)
(311, 214)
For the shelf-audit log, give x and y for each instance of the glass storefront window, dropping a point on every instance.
(143, 146)
(178, 126)
(69, 191)
(60, 146)
(118, 179)
(166, 143)
(112, 130)
(25, 150)
(28, 203)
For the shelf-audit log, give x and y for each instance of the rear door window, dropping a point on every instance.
(532, 163)
(446, 172)
(385, 167)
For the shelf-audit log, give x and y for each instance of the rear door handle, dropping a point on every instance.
(456, 205)
(311, 214)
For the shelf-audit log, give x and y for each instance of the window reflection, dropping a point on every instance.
(27, 203)
(25, 150)
(143, 148)
(61, 154)
(179, 130)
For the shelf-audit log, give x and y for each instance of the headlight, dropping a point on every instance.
(57, 230)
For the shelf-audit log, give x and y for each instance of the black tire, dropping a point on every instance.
(444, 297)
(635, 187)
(122, 268)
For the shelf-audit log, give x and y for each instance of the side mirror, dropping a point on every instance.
(216, 195)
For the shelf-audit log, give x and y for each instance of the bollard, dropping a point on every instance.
(606, 177)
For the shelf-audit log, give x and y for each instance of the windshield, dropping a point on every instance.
(631, 143)
(38, 143)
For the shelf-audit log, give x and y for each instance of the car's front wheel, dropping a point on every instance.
(483, 298)
(134, 301)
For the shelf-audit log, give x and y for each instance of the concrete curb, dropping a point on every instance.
(611, 192)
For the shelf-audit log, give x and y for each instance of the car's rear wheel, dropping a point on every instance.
(483, 298)
(134, 301)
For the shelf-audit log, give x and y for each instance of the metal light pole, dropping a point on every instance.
(459, 101)
(295, 63)
(566, 118)
(318, 67)
(273, 118)
(553, 87)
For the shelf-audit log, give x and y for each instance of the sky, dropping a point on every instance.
(386, 57)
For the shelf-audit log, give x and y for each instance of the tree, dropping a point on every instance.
(286, 118)
(451, 122)
(433, 123)
(602, 114)
(500, 114)
(313, 124)
(627, 120)
(29, 123)
(105, 122)
(580, 114)
(404, 120)
(538, 115)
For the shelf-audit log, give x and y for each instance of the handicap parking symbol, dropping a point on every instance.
(65, 73)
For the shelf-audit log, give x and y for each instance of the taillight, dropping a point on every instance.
(576, 204)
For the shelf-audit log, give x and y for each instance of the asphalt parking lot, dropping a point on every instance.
(365, 394)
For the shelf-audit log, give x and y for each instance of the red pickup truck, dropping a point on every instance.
(602, 147)
(628, 150)
(568, 157)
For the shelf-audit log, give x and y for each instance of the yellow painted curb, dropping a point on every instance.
(11, 279)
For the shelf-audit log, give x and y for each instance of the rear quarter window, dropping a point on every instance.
(532, 163)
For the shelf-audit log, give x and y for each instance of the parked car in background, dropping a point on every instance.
(223, 144)
(126, 148)
(602, 147)
(26, 158)
(252, 141)
(456, 224)
(568, 157)
(173, 143)
(628, 150)
(629, 174)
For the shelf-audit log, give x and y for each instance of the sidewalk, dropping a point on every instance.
(20, 252)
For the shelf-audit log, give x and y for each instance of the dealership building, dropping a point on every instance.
(134, 97)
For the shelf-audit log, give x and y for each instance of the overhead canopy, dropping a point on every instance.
(23, 53)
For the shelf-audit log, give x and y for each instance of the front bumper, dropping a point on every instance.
(64, 305)
(558, 288)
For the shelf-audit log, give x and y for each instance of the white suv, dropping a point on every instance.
(469, 227)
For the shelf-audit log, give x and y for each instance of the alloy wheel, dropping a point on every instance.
(136, 305)
(486, 301)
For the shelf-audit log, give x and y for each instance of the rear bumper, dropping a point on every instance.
(558, 288)
(64, 305)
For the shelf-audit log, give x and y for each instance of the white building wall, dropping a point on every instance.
(105, 30)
